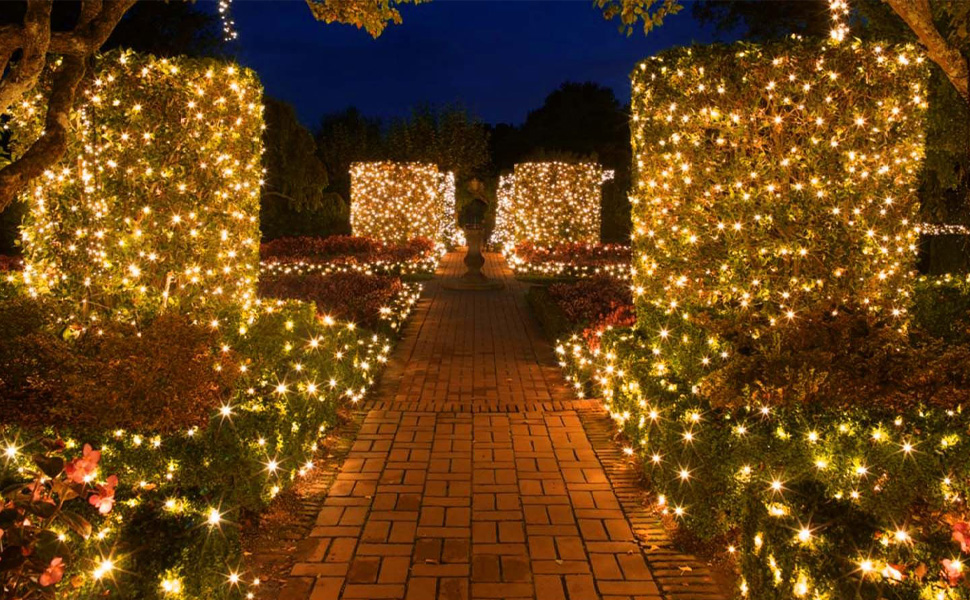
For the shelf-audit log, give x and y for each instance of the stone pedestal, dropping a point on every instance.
(473, 279)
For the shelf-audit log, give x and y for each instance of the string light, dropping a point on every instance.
(549, 203)
(399, 201)
(772, 182)
(135, 218)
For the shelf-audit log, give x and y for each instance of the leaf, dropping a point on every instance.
(685, 570)
(44, 510)
(76, 523)
(49, 465)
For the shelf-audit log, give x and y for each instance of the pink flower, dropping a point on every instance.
(53, 573)
(961, 534)
(952, 571)
(104, 498)
(80, 468)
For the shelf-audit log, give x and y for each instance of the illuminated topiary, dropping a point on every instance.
(551, 203)
(772, 181)
(157, 199)
(400, 201)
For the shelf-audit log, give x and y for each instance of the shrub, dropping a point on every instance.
(830, 459)
(165, 377)
(345, 248)
(175, 524)
(772, 181)
(347, 296)
(564, 261)
(164, 211)
(587, 301)
(549, 203)
(398, 201)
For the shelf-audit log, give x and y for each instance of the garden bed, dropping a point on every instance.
(339, 254)
(565, 262)
(195, 428)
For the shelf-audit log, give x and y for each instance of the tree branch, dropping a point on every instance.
(96, 21)
(919, 17)
(89, 36)
(50, 146)
(35, 40)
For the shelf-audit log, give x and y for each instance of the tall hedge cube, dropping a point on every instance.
(557, 202)
(772, 181)
(397, 201)
(155, 205)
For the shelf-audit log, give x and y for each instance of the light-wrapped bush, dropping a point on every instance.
(783, 403)
(398, 201)
(156, 201)
(772, 181)
(551, 203)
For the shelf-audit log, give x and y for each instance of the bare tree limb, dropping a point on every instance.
(34, 44)
(919, 17)
(96, 21)
(53, 143)
(88, 37)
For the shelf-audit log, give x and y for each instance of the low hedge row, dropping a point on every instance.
(801, 464)
(196, 426)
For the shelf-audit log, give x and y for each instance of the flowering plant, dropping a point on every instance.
(36, 514)
(345, 249)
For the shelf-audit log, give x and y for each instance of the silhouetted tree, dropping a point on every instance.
(293, 201)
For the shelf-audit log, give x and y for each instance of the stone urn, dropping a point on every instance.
(473, 279)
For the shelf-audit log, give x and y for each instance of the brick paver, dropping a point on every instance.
(472, 476)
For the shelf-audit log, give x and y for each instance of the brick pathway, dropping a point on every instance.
(472, 475)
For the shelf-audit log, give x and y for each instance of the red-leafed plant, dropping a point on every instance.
(36, 513)
(348, 296)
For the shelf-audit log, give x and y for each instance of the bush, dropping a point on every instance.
(773, 181)
(347, 296)
(398, 201)
(570, 261)
(198, 459)
(165, 211)
(163, 378)
(345, 249)
(588, 306)
(549, 203)
(830, 459)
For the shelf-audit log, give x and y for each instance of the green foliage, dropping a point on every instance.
(343, 139)
(449, 138)
(293, 201)
(945, 185)
(798, 461)
(291, 373)
(373, 16)
(768, 189)
(632, 13)
(163, 212)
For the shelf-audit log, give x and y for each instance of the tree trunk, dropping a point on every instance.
(34, 39)
(919, 17)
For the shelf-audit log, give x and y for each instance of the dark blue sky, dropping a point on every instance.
(499, 58)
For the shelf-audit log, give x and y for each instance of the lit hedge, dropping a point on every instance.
(552, 203)
(400, 201)
(502, 234)
(775, 183)
(772, 180)
(183, 496)
(156, 201)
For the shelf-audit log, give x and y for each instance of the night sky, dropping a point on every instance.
(498, 58)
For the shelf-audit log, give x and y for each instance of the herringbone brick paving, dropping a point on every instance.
(472, 476)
